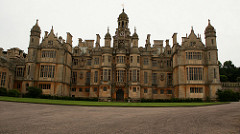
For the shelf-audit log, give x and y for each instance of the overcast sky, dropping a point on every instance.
(86, 18)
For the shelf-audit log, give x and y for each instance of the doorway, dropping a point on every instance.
(120, 95)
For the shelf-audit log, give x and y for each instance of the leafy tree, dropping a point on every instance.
(229, 70)
(223, 78)
(34, 92)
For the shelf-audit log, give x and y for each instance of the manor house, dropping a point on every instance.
(118, 69)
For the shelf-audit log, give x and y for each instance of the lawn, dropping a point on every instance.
(114, 104)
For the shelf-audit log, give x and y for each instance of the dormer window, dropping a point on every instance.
(50, 42)
(192, 43)
(75, 51)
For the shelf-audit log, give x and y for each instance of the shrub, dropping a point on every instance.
(3, 91)
(34, 92)
(228, 95)
(13, 93)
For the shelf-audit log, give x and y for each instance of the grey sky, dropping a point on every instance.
(86, 18)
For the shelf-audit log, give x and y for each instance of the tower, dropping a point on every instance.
(122, 35)
(213, 76)
(32, 57)
(35, 35)
(135, 39)
(107, 39)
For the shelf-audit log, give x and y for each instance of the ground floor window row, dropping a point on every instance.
(95, 89)
(196, 90)
(45, 86)
(156, 91)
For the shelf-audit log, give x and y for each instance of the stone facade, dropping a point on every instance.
(119, 69)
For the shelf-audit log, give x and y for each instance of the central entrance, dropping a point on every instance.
(120, 95)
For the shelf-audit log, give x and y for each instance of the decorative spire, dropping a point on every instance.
(52, 30)
(135, 31)
(108, 29)
(209, 22)
(36, 21)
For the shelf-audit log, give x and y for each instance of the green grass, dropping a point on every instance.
(114, 104)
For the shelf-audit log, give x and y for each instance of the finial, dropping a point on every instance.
(108, 29)
(135, 30)
(37, 21)
(192, 27)
(208, 21)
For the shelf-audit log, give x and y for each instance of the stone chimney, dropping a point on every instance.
(174, 38)
(69, 38)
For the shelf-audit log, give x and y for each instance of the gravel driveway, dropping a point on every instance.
(42, 118)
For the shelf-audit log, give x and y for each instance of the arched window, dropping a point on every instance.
(122, 24)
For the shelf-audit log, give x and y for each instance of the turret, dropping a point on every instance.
(210, 35)
(107, 39)
(135, 39)
(123, 20)
(35, 35)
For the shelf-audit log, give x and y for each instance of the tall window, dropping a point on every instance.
(29, 69)
(88, 76)
(131, 59)
(89, 62)
(145, 61)
(19, 71)
(154, 63)
(194, 73)
(106, 74)
(74, 77)
(48, 54)
(96, 61)
(2, 78)
(214, 73)
(95, 76)
(134, 75)
(154, 78)
(169, 79)
(47, 71)
(138, 59)
(194, 55)
(109, 58)
(145, 77)
(120, 75)
(120, 59)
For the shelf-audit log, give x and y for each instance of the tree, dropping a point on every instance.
(229, 70)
